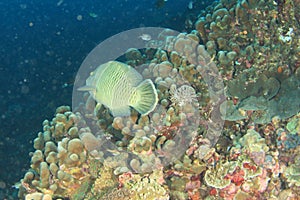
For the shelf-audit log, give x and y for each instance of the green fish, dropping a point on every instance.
(119, 86)
(93, 15)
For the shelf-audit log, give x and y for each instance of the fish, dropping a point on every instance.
(160, 3)
(93, 15)
(191, 5)
(118, 87)
(145, 37)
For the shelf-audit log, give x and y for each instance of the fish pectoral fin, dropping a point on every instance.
(120, 111)
(87, 88)
(97, 108)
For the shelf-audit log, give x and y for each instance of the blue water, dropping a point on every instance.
(42, 44)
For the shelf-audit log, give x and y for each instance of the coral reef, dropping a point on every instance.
(201, 141)
(59, 163)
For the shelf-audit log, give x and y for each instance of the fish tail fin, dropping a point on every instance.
(144, 99)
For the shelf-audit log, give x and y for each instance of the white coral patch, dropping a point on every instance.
(183, 95)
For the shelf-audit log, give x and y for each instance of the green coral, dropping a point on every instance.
(215, 177)
(294, 126)
(292, 174)
(267, 97)
(147, 187)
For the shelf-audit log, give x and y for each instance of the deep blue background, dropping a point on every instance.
(42, 45)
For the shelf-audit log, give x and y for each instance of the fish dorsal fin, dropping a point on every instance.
(135, 77)
(87, 88)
